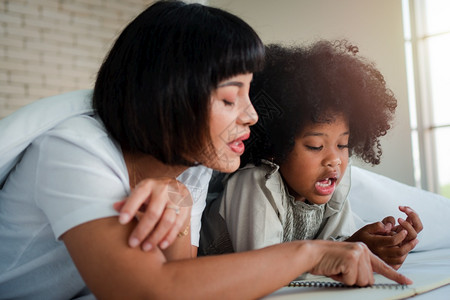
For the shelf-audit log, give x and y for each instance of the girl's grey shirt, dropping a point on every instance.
(255, 205)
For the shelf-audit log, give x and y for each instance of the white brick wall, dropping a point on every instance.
(49, 47)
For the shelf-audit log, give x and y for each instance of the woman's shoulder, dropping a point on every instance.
(81, 127)
(81, 137)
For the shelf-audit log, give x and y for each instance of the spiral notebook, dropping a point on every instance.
(319, 287)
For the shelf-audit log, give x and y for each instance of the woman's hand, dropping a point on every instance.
(163, 208)
(353, 264)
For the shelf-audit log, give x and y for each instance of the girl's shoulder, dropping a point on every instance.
(256, 173)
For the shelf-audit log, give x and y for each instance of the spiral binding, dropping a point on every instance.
(326, 284)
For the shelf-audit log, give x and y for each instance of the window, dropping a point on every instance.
(427, 45)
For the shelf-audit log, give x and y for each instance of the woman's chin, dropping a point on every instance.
(225, 165)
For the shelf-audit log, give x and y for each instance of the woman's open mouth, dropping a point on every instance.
(237, 145)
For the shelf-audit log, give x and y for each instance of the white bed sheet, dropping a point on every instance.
(374, 197)
(435, 261)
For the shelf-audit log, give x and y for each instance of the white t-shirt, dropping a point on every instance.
(69, 175)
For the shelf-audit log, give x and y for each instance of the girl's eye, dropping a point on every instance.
(227, 103)
(314, 148)
(342, 146)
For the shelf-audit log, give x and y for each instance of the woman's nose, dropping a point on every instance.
(248, 116)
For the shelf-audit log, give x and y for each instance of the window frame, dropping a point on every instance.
(423, 128)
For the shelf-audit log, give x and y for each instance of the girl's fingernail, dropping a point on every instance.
(133, 242)
(164, 244)
(147, 247)
(124, 218)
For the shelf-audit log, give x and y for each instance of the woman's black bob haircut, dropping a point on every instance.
(314, 84)
(153, 90)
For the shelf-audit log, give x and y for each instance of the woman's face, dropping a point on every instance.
(231, 116)
(318, 161)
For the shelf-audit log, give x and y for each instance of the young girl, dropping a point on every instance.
(317, 106)
(174, 83)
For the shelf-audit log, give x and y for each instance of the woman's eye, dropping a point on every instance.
(314, 148)
(228, 103)
(342, 146)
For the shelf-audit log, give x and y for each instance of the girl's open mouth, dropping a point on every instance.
(326, 186)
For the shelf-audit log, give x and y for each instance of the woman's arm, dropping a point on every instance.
(112, 269)
(181, 247)
(149, 201)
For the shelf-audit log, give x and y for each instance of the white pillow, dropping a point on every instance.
(19, 129)
(373, 197)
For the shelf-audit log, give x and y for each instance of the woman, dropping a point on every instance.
(171, 96)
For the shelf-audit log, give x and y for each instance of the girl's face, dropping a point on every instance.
(318, 161)
(231, 116)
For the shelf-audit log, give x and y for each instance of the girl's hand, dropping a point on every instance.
(385, 243)
(163, 208)
(412, 224)
(391, 242)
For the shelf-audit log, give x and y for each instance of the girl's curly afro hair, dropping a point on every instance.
(300, 85)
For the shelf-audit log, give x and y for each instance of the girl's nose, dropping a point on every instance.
(334, 162)
(332, 159)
